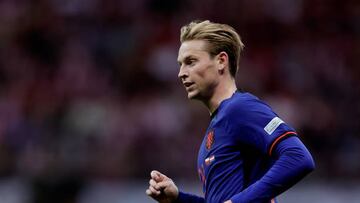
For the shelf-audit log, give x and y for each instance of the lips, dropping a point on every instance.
(188, 84)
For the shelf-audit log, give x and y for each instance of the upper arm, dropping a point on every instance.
(256, 125)
(295, 148)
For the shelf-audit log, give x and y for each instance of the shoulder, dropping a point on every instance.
(245, 106)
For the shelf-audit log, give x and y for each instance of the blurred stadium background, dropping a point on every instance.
(90, 102)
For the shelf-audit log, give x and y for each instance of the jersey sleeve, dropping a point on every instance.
(253, 123)
(189, 198)
(294, 163)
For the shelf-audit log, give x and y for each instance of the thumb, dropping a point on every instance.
(157, 176)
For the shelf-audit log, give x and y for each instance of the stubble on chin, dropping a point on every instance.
(192, 94)
(195, 95)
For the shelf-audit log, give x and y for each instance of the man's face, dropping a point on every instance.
(198, 71)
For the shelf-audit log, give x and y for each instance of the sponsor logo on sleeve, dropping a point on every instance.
(272, 125)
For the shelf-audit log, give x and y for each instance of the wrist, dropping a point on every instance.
(179, 197)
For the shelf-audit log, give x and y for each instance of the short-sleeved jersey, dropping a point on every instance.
(237, 147)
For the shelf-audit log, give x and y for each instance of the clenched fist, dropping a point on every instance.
(161, 188)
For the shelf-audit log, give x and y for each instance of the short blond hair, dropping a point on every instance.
(220, 37)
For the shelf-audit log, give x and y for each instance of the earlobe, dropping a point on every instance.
(221, 68)
(221, 71)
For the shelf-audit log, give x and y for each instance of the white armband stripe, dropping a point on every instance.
(272, 125)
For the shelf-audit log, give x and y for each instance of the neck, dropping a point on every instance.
(221, 92)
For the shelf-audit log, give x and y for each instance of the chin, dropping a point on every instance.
(191, 95)
(194, 95)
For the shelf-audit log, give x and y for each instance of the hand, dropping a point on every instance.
(161, 188)
(229, 201)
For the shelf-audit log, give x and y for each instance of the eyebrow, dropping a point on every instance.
(186, 58)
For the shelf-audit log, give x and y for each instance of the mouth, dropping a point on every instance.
(188, 84)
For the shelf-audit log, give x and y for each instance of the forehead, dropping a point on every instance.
(192, 48)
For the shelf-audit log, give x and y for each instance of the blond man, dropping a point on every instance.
(248, 154)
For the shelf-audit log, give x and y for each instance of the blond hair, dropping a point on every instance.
(220, 37)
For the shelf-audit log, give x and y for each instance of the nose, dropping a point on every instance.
(182, 73)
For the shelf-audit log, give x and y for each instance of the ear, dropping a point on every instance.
(223, 61)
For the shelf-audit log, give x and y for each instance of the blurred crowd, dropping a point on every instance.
(89, 88)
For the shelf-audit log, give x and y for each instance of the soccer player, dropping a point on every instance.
(248, 154)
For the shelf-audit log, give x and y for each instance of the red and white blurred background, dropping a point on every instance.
(90, 102)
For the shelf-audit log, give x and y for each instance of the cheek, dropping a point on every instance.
(199, 77)
(203, 71)
(208, 74)
(205, 80)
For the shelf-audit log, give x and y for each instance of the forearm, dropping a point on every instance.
(294, 163)
(189, 198)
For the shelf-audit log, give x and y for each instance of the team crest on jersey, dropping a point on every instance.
(210, 139)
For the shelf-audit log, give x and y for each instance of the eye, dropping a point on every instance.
(190, 61)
